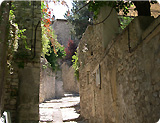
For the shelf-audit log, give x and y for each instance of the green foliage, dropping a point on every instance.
(42, 7)
(11, 15)
(16, 35)
(44, 66)
(79, 18)
(51, 49)
(81, 15)
(75, 65)
(124, 21)
(118, 5)
(45, 42)
(95, 6)
(52, 58)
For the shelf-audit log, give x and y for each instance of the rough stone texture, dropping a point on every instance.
(70, 83)
(4, 14)
(59, 84)
(60, 110)
(155, 11)
(62, 30)
(22, 87)
(11, 93)
(128, 91)
(22, 84)
(113, 28)
(47, 82)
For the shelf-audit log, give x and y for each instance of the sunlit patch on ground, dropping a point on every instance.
(66, 110)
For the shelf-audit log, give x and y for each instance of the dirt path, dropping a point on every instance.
(63, 110)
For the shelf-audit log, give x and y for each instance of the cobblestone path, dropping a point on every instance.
(64, 110)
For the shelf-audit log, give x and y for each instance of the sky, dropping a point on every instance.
(59, 10)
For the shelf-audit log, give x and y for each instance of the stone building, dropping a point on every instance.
(62, 30)
(119, 71)
(65, 76)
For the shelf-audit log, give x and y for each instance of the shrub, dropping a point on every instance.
(70, 50)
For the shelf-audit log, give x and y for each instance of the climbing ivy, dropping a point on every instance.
(51, 49)
(124, 21)
(76, 65)
(95, 6)
(16, 35)
(50, 46)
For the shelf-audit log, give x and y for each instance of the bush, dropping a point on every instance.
(70, 50)
(75, 65)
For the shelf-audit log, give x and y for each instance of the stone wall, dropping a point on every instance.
(19, 94)
(29, 76)
(11, 92)
(4, 12)
(119, 82)
(22, 84)
(47, 82)
(62, 30)
(59, 84)
(70, 83)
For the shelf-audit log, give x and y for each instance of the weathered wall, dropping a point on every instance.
(11, 92)
(155, 11)
(59, 84)
(126, 87)
(4, 24)
(29, 18)
(21, 88)
(47, 82)
(62, 30)
(70, 83)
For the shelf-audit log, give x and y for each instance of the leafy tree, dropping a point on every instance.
(53, 57)
(17, 34)
(82, 12)
(118, 5)
(79, 18)
(70, 50)
(143, 7)
(124, 21)
(51, 49)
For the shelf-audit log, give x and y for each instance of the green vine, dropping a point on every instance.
(75, 65)
(19, 47)
(16, 35)
(117, 5)
(51, 49)
(124, 21)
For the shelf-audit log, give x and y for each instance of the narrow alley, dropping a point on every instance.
(66, 110)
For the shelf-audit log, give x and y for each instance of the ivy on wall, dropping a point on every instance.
(21, 49)
(76, 65)
(51, 49)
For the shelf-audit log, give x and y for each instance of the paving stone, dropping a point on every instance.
(61, 110)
